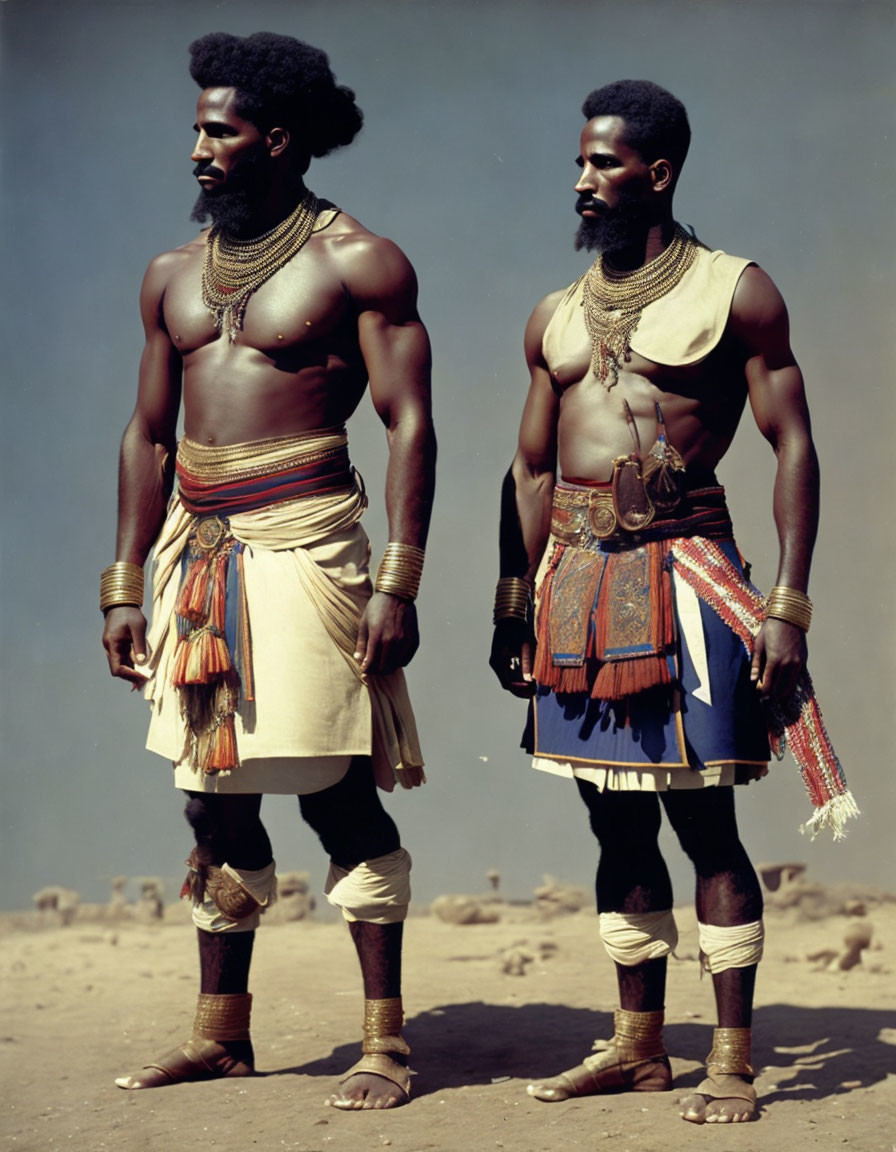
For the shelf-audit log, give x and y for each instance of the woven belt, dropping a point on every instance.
(586, 518)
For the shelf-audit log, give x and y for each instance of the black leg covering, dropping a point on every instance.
(229, 830)
(632, 875)
(349, 819)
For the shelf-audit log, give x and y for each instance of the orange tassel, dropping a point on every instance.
(181, 654)
(622, 678)
(192, 602)
(218, 593)
(219, 754)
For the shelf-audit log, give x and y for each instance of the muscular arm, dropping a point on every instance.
(526, 497)
(396, 352)
(778, 401)
(145, 466)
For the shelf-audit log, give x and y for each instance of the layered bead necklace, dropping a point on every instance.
(613, 301)
(234, 269)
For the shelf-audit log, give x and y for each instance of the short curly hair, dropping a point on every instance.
(656, 122)
(280, 81)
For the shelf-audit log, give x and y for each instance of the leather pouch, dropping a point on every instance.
(634, 507)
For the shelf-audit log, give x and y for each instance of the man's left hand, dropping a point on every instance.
(388, 635)
(779, 656)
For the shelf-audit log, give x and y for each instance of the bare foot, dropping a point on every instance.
(376, 1081)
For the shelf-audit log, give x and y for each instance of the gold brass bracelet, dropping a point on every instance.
(513, 599)
(791, 605)
(400, 570)
(120, 584)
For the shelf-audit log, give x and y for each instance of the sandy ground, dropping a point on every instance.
(84, 1003)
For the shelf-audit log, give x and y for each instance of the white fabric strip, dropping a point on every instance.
(376, 891)
(735, 946)
(632, 938)
(687, 606)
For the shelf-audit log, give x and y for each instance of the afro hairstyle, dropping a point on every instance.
(656, 122)
(280, 81)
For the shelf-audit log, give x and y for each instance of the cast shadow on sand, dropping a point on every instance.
(800, 1053)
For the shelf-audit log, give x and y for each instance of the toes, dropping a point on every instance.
(548, 1092)
(693, 1109)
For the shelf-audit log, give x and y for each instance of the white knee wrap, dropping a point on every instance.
(237, 889)
(377, 891)
(738, 946)
(632, 938)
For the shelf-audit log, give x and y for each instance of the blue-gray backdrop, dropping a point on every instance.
(466, 160)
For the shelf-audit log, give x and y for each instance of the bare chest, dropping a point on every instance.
(293, 312)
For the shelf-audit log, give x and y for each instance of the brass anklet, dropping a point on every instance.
(223, 1018)
(382, 1027)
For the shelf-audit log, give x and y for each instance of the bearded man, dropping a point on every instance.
(657, 665)
(272, 665)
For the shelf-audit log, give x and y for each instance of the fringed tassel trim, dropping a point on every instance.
(832, 815)
(204, 671)
(622, 678)
(620, 675)
(797, 722)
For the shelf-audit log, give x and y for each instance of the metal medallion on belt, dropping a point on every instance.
(603, 519)
(210, 531)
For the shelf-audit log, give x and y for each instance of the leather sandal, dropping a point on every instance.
(633, 1061)
(220, 1046)
(377, 1064)
(606, 1072)
(197, 1059)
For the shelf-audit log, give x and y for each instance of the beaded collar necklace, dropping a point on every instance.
(613, 301)
(234, 268)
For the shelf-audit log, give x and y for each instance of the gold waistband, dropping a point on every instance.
(213, 462)
(581, 514)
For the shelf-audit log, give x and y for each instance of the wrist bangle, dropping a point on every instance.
(791, 605)
(400, 570)
(513, 599)
(120, 584)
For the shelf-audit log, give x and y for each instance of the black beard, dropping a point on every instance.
(233, 206)
(615, 229)
(230, 212)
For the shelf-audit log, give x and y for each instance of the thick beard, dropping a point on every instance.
(230, 212)
(233, 206)
(615, 229)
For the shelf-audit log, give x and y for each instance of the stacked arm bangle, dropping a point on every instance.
(791, 605)
(120, 584)
(400, 570)
(513, 599)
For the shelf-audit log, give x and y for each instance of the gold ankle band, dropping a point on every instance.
(382, 1027)
(730, 1055)
(633, 1027)
(223, 1018)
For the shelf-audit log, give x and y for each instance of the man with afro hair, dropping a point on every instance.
(655, 672)
(273, 665)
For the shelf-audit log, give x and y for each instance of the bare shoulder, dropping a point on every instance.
(166, 265)
(757, 299)
(538, 322)
(370, 266)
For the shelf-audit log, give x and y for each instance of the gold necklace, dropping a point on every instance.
(613, 301)
(234, 269)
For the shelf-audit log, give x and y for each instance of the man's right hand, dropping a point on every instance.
(124, 638)
(513, 651)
